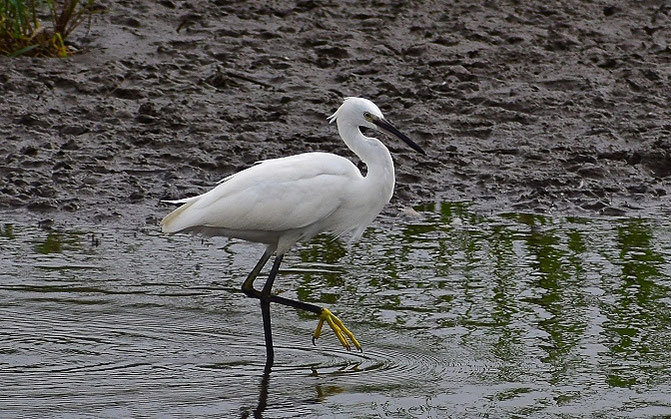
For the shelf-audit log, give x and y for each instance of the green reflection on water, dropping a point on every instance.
(57, 241)
(533, 291)
(52, 244)
(532, 311)
(321, 250)
(639, 310)
(7, 230)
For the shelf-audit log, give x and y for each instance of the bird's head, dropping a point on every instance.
(364, 113)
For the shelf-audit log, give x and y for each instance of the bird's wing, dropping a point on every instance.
(274, 195)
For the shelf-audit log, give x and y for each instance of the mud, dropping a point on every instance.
(521, 106)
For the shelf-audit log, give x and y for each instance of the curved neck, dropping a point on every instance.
(371, 151)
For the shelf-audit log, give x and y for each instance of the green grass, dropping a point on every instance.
(25, 31)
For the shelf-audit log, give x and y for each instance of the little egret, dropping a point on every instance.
(282, 201)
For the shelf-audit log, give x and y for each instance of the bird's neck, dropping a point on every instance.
(371, 151)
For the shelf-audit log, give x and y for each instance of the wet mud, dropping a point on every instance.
(521, 106)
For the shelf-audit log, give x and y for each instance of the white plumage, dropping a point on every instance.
(272, 199)
(281, 201)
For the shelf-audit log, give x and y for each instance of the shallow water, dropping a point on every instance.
(459, 314)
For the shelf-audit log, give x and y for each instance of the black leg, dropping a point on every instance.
(265, 298)
(265, 311)
(250, 291)
(296, 304)
(268, 333)
(248, 285)
(271, 277)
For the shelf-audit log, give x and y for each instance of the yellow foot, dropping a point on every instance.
(341, 332)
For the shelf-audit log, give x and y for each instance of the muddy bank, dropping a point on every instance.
(519, 106)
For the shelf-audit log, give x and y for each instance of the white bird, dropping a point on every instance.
(281, 201)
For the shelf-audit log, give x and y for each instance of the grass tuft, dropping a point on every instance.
(23, 31)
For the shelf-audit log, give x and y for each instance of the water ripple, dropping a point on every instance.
(513, 315)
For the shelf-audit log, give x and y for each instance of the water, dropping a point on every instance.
(459, 314)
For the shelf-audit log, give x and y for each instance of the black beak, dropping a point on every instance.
(386, 127)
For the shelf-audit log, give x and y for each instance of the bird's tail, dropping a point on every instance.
(173, 223)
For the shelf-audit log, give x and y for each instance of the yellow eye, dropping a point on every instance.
(368, 116)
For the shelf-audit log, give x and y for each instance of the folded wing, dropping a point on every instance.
(274, 195)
